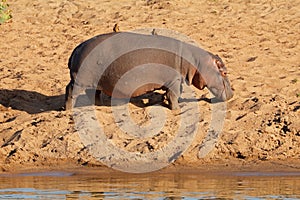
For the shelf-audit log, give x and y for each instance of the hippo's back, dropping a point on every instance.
(82, 50)
(106, 58)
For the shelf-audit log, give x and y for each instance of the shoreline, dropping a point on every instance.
(221, 168)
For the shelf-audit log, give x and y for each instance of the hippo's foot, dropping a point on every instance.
(68, 105)
(70, 102)
(68, 97)
(173, 101)
(174, 106)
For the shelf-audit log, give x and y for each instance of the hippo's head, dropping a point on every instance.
(214, 77)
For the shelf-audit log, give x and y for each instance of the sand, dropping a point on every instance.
(257, 40)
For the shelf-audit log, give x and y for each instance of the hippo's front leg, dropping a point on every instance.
(173, 93)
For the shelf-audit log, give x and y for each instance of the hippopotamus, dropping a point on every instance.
(165, 63)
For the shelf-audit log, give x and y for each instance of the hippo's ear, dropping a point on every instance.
(218, 61)
(116, 28)
(221, 67)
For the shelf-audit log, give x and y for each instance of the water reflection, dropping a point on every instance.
(58, 185)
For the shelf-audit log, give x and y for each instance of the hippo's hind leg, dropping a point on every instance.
(68, 96)
(173, 93)
(72, 94)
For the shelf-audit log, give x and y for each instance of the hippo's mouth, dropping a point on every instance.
(224, 93)
(227, 92)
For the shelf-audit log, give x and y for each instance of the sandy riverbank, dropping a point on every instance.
(258, 41)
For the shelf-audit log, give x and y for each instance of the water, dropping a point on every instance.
(63, 185)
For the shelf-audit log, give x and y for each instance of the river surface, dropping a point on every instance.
(187, 185)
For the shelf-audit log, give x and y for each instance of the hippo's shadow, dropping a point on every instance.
(148, 99)
(33, 102)
(30, 101)
(99, 99)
